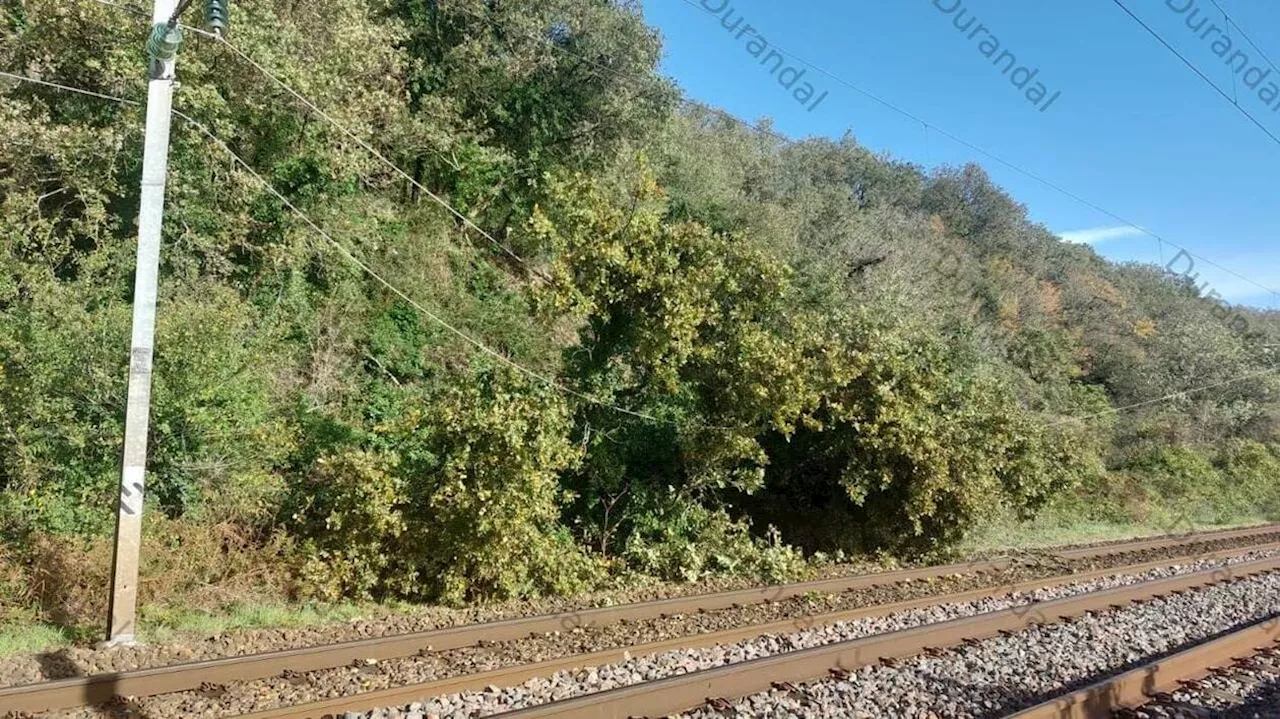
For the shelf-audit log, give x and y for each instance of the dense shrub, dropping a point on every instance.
(912, 452)
(676, 538)
(467, 507)
(1180, 480)
(1251, 477)
(734, 345)
(214, 430)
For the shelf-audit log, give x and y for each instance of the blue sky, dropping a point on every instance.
(1134, 130)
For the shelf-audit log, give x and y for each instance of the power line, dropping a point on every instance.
(382, 158)
(1000, 160)
(405, 296)
(485, 348)
(497, 355)
(926, 125)
(733, 118)
(907, 114)
(1197, 71)
(1244, 34)
(346, 254)
(1231, 22)
(68, 88)
(1166, 398)
(351, 134)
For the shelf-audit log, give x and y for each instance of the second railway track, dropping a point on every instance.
(1235, 676)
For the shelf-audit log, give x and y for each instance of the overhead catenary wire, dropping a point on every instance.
(1234, 102)
(732, 118)
(492, 352)
(1232, 21)
(69, 88)
(1160, 240)
(1166, 398)
(342, 249)
(477, 343)
(364, 267)
(1001, 161)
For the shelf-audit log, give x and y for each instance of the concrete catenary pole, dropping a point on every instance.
(162, 50)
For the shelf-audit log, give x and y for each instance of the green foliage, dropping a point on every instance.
(357, 502)
(688, 326)
(469, 511)
(1249, 470)
(213, 433)
(1184, 479)
(510, 100)
(676, 538)
(913, 451)
(733, 333)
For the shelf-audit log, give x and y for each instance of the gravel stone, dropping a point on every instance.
(1005, 674)
(274, 692)
(563, 685)
(1258, 687)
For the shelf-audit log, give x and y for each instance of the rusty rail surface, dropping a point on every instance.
(1135, 688)
(677, 694)
(81, 691)
(510, 676)
(1165, 540)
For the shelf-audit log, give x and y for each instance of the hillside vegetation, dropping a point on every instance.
(733, 351)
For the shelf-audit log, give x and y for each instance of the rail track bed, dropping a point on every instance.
(927, 663)
(999, 676)
(1235, 675)
(1246, 688)
(501, 666)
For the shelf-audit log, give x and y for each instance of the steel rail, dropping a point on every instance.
(82, 691)
(510, 676)
(1165, 540)
(1135, 688)
(677, 694)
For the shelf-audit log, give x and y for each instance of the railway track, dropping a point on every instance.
(710, 692)
(207, 678)
(1236, 676)
(1240, 687)
(514, 675)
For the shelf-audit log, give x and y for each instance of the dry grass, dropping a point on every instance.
(63, 582)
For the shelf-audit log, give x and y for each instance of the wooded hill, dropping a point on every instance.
(717, 331)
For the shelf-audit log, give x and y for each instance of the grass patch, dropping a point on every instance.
(1049, 531)
(32, 638)
(165, 624)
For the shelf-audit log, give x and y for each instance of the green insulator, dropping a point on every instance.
(164, 42)
(215, 16)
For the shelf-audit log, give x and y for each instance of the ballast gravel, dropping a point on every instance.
(85, 661)
(1007, 673)
(270, 693)
(563, 685)
(1241, 692)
